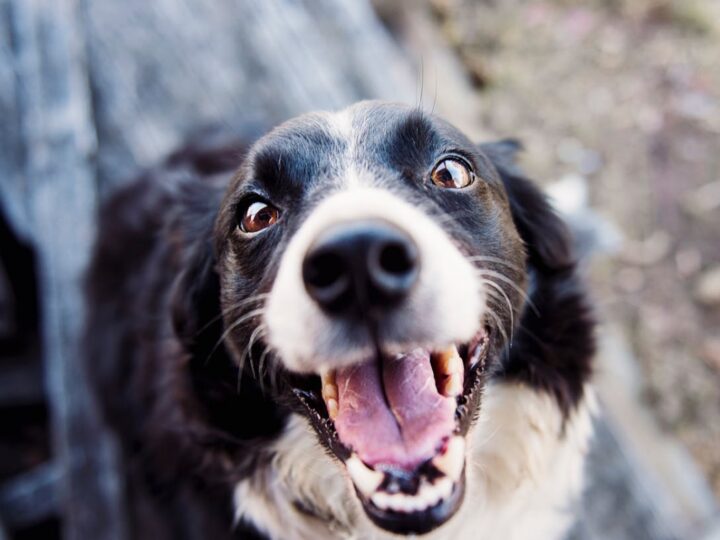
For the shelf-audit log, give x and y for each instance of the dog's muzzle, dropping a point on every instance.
(380, 319)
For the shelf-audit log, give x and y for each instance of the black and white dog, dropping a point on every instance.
(363, 325)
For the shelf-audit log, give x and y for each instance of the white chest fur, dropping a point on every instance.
(524, 475)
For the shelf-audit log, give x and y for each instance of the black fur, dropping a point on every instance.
(554, 343)
(155, 347)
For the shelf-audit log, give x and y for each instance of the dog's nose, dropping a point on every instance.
(360, 266)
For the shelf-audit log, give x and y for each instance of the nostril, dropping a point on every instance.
(324, 270)
(326, 278)
(392, 269)
(397, 259)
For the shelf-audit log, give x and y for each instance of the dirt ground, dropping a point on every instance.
(625, 94)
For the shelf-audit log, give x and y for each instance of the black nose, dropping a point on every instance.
(359, 266)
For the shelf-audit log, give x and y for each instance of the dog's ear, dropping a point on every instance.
(547, 238)
(195, 301)
(196, 294)
(560, 318)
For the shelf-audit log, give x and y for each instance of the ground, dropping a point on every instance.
(625, 95)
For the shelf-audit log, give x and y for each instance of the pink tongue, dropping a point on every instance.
(411, 429)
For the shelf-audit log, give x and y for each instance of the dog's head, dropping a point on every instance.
(370, 265)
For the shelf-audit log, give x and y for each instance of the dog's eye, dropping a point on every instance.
(256, 216)
(452, 173)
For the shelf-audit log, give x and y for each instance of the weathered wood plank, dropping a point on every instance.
(13, 202)
(156, 76)
(30, 498)
(57, 141)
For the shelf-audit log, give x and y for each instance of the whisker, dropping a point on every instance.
(248, 350)
(273, 372)
(499, 326)
(492, 293)
(249, 300)
(422, 83)
(499, 289)
(489, 258)
(495, 305)
(235, 324)
(261, 362)
(435, 96)
(510, 282)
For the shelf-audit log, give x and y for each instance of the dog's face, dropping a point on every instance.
(370, 264)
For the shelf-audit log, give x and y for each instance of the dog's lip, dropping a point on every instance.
(394, 515)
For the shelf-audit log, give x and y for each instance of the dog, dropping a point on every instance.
(361, 325)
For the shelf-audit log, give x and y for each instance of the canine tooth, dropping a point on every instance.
(452, 460)
(329, 385)
(449, 371)
(365, 479)
(453, 385)
(329, 392)
(448, 361)
(332, 407)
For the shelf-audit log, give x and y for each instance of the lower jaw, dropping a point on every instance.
(417, 501)
(418, 522)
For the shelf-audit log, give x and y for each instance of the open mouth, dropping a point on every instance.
(399, 424)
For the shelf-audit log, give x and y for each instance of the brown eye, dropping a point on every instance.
(452, 173)
(257, 216)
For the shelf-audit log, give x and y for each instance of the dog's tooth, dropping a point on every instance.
(451, 461)
(416, 504)
(329, 384)
(381, 500)
(430, 495)
(449, 370)
(408, 504)
(444, 487)
(330, 392)
(365, 479)
(411, 504)
(448, 360)
(332, 407)
(453, 385)
(396, 502)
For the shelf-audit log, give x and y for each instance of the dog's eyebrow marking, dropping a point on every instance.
(298, 152)
(346, 125)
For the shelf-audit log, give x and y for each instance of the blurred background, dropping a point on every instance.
(617, 103)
